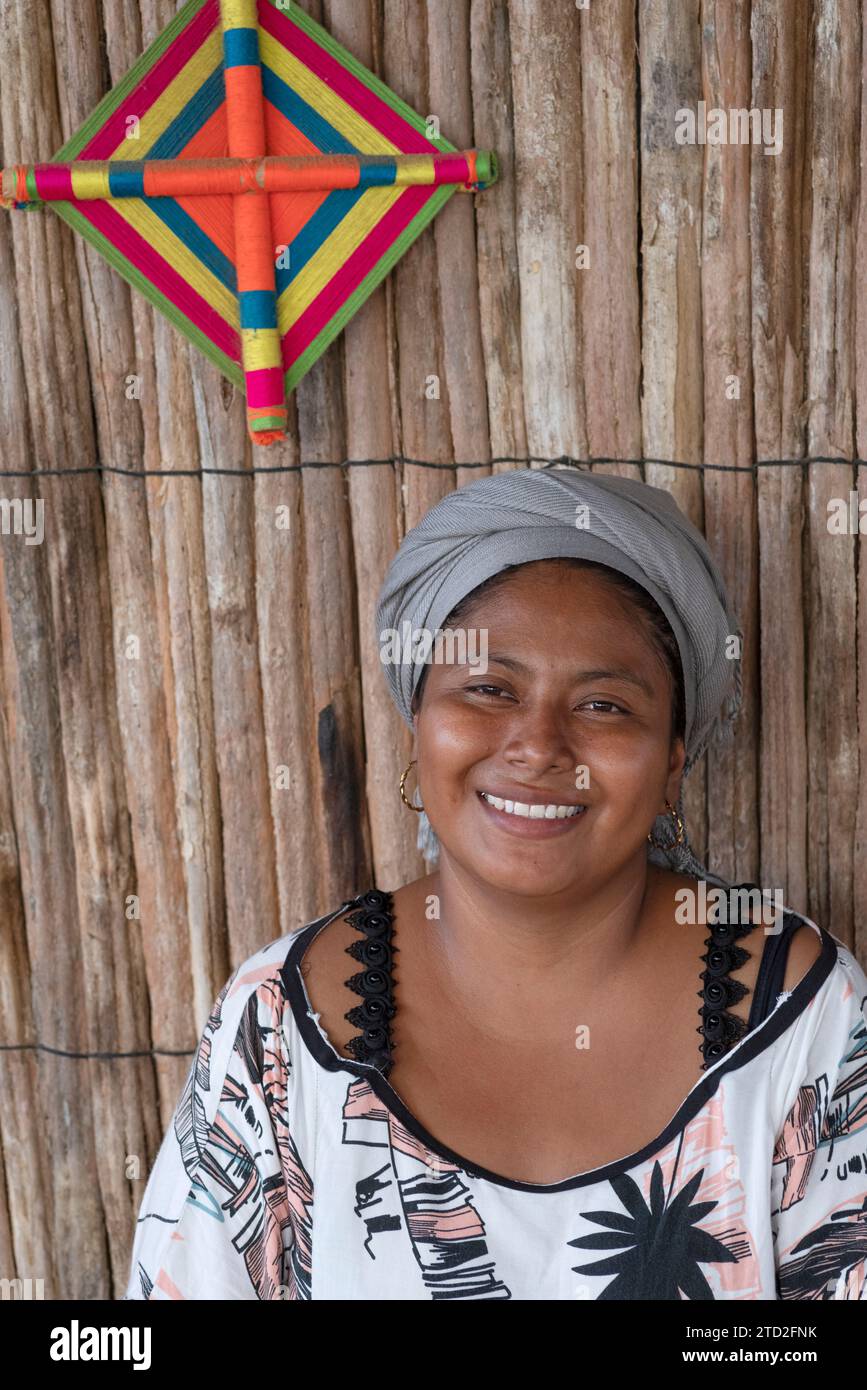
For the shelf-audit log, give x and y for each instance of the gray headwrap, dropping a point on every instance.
(538, 514)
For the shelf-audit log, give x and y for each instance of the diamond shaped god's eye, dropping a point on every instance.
(180, 179)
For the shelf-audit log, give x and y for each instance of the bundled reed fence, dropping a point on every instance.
(197, 753)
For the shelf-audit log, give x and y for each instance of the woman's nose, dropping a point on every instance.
(540, 737)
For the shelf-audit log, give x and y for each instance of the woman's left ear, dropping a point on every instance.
(675, 770)
(678, 754)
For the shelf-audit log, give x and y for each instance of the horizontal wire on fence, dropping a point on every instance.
(564, 460)
(96, 1056)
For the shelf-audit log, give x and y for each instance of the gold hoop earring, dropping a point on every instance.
(403, 797)
(681, 832)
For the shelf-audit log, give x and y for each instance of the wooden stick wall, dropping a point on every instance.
(197, 750)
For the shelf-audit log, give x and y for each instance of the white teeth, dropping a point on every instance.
(537, 811)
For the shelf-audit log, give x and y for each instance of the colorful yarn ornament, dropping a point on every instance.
(275, 183)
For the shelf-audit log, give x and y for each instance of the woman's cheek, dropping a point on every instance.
(457, 734)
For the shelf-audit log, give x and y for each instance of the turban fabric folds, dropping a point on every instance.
(538, 514)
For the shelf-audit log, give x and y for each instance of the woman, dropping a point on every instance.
(553, 1073)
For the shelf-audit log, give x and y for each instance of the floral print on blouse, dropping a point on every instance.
(292, 1172)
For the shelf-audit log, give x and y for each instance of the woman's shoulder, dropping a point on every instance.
(304, 971)
(827, 1034)
(253, 1002)
(843, 988)
(335, 992)
(801, 941)
(323, 962)
(267, 965)
(804, 949)
(260, 974)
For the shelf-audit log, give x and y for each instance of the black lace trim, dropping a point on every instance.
(720, 1029)
(372, 914)
(373, 917)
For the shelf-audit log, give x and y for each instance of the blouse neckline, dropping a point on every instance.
(750, 1046)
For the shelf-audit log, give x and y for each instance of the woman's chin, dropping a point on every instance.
(519, 871)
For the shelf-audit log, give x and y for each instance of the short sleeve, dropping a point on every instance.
(819, 1174)
(226, 1212)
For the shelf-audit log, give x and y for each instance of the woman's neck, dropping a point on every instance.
(497, 957)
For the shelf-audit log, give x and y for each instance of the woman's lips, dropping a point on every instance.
(531, 827)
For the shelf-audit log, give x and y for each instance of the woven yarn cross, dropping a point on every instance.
(283, 181)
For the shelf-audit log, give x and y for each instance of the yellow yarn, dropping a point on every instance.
(261, 348)
(88, 182)
(239, 14)
(344, 240)
(191, 78)
(416, 168)
(359, 132)
(154, 230)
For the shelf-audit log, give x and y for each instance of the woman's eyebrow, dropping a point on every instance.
(596, 674)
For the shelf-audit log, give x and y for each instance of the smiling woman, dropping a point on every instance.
(609, 602)
(524, 1099)
(544, 733)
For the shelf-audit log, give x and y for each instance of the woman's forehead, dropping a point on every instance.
(561, 593)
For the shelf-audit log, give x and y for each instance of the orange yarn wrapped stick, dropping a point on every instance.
(471, 170)
(254, 240)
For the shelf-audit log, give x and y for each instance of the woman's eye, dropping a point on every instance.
(609, 705)
(487, 689)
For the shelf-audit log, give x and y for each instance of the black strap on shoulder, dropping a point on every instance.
(373, 916)
(772, 970)
(721, 1029)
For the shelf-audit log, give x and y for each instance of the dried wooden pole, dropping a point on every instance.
(729, 498)
(671, 189)
(448, 42)
(859, 885)
(546, 81)
(285, 670)
(610, 299)
(496, 234)
(420, 384)
(831, 673)
(190, 875)
(336, 797)
(780, 41)
(229, 528)
(672, 370)
(25, 1237)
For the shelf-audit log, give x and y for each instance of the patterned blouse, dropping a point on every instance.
(292, 1171)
